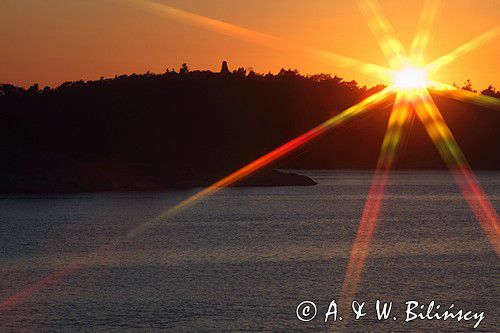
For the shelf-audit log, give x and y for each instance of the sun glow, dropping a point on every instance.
(412, 89)
(410, 78)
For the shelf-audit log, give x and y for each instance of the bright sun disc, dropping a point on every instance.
(410, 78)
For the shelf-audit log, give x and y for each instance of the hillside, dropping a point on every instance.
(184, 129)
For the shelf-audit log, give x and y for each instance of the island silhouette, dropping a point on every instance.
(181, 129)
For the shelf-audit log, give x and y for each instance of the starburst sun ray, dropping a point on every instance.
(399, 122)
(355, 110)
(451, 153)
(390, 45)
(463, 49)
(411, 84)
(411, 87)
(423, 35)
(450, 91)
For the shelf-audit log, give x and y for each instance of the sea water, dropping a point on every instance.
(245, 258)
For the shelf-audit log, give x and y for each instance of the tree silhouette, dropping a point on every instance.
(184, 69)
(491, 91)
(468, 86)
(156, 131)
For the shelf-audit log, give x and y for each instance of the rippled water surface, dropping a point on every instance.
(244, 259)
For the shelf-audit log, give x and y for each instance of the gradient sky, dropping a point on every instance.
(52, 41)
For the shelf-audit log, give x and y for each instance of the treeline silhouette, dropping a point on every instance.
(188, 128)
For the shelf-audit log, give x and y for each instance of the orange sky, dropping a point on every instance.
(52, 41)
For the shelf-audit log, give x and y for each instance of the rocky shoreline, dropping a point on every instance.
(115, 182)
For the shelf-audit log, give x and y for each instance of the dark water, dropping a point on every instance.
(244, 259)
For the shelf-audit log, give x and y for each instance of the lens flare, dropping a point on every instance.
(451, 153)
(392, 48)
(450, 91)
(399, 123)
(411, 85)
(267, 159)
(463, 49)
(423, 35)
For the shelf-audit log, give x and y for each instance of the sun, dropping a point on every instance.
(409, 78)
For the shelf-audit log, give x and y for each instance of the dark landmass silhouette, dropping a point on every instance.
(152, 132)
